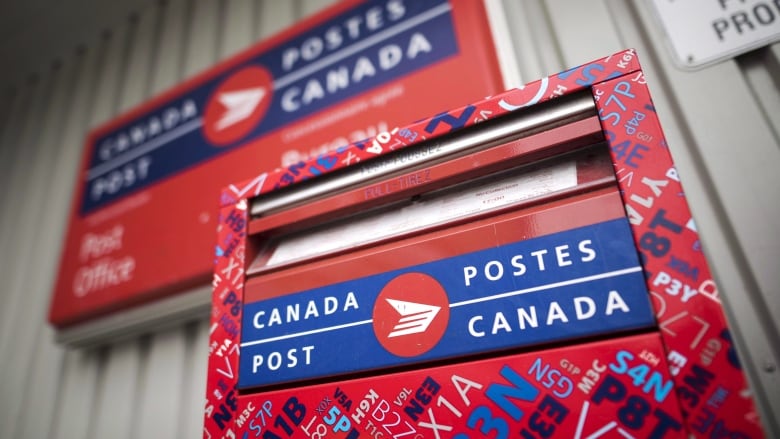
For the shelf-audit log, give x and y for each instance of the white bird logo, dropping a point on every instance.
(415, 317)
(239, 104)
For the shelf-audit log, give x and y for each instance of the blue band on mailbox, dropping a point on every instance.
(567, 285)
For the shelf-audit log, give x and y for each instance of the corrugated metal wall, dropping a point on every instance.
(723, 125)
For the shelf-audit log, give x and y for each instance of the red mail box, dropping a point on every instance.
(495, 271)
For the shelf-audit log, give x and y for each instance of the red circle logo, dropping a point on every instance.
(411, 314)
(237, 105)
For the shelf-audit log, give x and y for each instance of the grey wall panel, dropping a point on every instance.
(113, 64)
(163, 377)
(194, 373)
(11, 131)
(237, 26)
(25, 179)
(38, 405)
(84, 381)
(141, 50)
(44, 376)
(34, 32)
(761, 69)
(584, 31)
(7, 100)
(272, 16)
(24, 324)
(161, 386)
(117, 392)
(169, 52)
(308, 7)
(27, 151)
(120, 389)
(80, 374)
(532, 39)
(508, 64)
(10, 154)
(202, 36)
(10, 102)
(724, 148)
(735, 153)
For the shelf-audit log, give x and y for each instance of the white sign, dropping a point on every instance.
(703, 32)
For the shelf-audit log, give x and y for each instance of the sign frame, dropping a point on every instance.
(684, 295)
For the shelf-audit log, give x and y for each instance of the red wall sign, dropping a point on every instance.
(674, 374)
(143, 215)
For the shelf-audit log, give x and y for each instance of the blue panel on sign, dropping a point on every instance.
(372, 44)
(566, 285)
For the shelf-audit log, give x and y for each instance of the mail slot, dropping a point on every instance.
(489, 270)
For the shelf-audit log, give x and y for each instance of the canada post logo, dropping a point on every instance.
(237, 105)
(411, 314)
